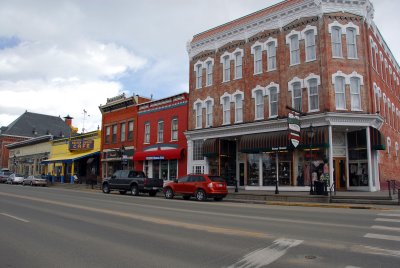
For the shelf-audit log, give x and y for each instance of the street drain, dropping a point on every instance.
(310, 257)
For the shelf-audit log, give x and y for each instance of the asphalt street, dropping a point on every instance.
(54, 227)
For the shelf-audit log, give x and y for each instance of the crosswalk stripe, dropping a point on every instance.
(381, 251)
(389, 215)
(265, 256)
(384, 237)
(387, 220)
(385, 228)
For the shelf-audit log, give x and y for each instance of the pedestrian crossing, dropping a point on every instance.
(386, 228)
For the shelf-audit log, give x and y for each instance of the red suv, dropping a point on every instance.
(200, 186)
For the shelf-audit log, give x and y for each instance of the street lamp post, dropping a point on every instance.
(310, 134)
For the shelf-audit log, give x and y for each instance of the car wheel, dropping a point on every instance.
(169, 194)
(106, 188)
(186, 197)
(122, 192)
(134, 190)
(218, 198)
(200, 195)
(152, 193)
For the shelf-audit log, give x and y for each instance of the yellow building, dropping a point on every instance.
(75, 159)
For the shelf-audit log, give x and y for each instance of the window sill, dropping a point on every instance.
(208, 85)
(173, 140)
(352, 58)
(238, 78)
(198, 88)
(310, 60)
(273, 117)
(313, 111)
(238, 122)
(294, 64)
(271, 70)
(338, 58)
(341, 109)
(226, 81)
(356, 110)
(225, 124)
(258, 119)
(257, 73)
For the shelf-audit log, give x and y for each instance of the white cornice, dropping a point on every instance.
(280, 18)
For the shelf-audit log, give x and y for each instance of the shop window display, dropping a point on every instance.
(269, 169)
(253, 169)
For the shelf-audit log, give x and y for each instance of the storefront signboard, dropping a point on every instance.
(76, 145)
(154, 157)
(294, 129)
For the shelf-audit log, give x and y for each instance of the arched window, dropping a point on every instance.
(273, 101)
(238, 65)
(355, 96)
(226, 69)
(340, 96)
(337, 42)
(199, 114)
(294, 50)
(257, 59)
(351, 40)
(226, 109)
(258, 95)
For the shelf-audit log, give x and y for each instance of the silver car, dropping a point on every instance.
(15, 179)
(34, 181)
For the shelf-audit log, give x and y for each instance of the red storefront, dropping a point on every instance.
(161, 145)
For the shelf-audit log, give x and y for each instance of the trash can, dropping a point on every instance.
(319, 188)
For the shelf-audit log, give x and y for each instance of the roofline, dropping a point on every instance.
(29, 142)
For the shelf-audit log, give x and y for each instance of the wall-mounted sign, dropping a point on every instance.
(154, 157)
(77, 145)
(294, 129)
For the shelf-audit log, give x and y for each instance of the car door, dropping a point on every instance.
(193, 184)
(114, 180)
(179, 187)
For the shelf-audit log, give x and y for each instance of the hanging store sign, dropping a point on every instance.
(294, 129)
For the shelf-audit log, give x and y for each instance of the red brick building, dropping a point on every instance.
(161, 143)
(119, 130)
(327, 61)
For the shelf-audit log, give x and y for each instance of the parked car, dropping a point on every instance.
(15, 178)
(201, 186)
(4, 175)
(134, 181)
(33, 180)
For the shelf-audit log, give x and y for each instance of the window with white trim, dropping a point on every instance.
(226, 107)
(273, 102)
(384, 107)
(259, 101)
(393, 115)
(337, 42)
(388, 143)
(355, 96)
(209, 73)
(238, 108)
(147, 132)
(396, 147)
(340, 96)
(351, 41)
(238, 65)
(174, 129)
(199, 115)
(209, 113)
(310, 45)
(271, 54)
(123, 132)
(297, 96)
(313, 98)
(226, 68)
(160, 131)
(199, 75)
(258, 59)
(294, 50)
(198, 150)
(388, 112)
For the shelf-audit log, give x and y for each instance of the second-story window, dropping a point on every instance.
(294, 50)
(310, 45)
(114, 133)
(160, 131)
(130, 130)
(227, 69)
(258, 59)
(273, 102)
(123, 132)
(313, 99)
(238, 65)
(147, 133)
(226, 106)
(238, 108)
(340, 96)
(199, 75)
(297, 96)
(174, 129)
(351, 38)
(108, 134)
(355, 94)
(259, 101)
(209, 113)
(199, 115)
(209, 73)
(337, 42)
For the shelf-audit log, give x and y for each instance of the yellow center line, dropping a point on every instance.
(155, 220)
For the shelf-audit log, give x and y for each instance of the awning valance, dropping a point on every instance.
(158, 155)
(210, 147)
(264, 142)
(69, 158)
(318, 140)
(377, 139)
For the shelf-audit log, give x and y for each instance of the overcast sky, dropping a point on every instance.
(62, 57)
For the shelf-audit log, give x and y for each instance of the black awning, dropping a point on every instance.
(377, 139)
(210, 147)
(264, 142)
(319, 139)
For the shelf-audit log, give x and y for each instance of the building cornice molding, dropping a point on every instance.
(276, 20)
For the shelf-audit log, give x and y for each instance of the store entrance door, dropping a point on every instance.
(339, 173)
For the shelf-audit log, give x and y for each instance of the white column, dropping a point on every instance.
(369, 160)
(189, 156)
(331, 167)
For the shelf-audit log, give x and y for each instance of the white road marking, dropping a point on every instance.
(389, 215)
(385, 228)
(387, 220)
(13, 217)
(384, 237)
(350, 266)
(381, 251)
(265, 256)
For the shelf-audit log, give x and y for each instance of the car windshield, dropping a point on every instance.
(18, 175)
(216, 179)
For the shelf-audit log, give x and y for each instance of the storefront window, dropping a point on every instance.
(164, 169)
(269, 169)
(358, 167)
(173, 169)
(156, 169)
(253, 169)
